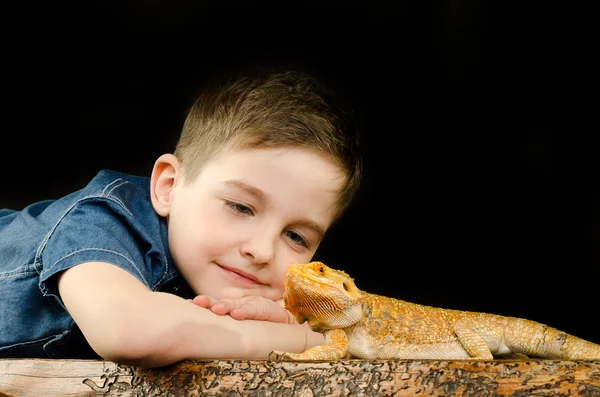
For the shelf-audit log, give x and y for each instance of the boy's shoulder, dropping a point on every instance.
(108, 183)
(110, 193)
(123, 189)
(109, 198)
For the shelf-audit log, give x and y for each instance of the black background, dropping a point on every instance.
(481, 187)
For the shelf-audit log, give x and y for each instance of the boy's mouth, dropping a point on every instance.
(240, 275)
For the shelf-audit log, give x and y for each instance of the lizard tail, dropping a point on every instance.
(535, 339)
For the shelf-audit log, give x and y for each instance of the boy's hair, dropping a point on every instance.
(268, 109)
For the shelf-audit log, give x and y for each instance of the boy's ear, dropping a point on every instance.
(165, 176)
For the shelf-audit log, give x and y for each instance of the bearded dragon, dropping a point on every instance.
(358, 324)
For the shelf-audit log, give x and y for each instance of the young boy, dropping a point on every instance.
(190, 262)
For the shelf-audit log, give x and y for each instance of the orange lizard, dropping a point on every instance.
(358, 324)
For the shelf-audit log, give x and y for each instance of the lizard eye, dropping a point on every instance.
(345, 285)
(321, 269)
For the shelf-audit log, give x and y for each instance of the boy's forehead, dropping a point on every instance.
(298, 180)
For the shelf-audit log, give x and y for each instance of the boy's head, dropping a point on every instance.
(270, 110)
(264, 166)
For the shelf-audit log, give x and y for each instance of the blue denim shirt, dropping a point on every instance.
(110, 220)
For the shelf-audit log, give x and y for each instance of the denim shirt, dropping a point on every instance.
(110, 220)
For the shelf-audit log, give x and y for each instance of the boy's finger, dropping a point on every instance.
(241, 314)
(204, 301)
(258, 311)
(221, 308)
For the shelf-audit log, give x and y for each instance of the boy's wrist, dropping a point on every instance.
(305, 340)
(313, 338)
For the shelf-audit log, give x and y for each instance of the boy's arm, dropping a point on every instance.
(125, 322)
(257, 308)
(247, 308)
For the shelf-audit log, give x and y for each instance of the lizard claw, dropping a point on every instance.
(277, 355)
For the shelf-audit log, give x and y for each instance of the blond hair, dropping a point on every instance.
(270, 110)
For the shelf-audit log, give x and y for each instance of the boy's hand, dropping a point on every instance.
(247, 308)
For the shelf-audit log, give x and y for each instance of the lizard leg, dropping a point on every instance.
(335, 348)
(472, 341)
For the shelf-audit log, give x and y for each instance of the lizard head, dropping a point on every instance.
(325, 297)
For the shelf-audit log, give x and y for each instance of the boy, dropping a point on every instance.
(190, 262)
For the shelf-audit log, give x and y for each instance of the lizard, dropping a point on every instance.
(362, 325)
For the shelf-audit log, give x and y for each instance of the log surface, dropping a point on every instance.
(38, 377)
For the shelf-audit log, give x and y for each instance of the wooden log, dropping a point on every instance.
(25, 378)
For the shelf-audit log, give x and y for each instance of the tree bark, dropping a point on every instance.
(25, 378)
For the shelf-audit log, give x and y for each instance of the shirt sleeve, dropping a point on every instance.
(97, 230)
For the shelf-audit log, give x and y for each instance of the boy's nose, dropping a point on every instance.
(260, 248)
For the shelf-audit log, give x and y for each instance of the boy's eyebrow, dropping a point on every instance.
(236, 183)
(258, 193)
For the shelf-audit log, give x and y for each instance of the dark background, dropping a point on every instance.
(481, 179)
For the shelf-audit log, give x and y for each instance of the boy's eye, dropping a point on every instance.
(296, 238)
(240, 208)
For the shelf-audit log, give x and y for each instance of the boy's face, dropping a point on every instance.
(249, 214)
